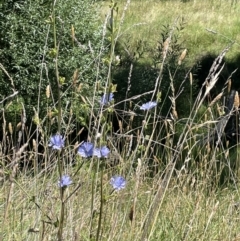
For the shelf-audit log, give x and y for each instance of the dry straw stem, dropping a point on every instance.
(10, 96)
(14, 165)
(211, 216)
(149, 224)
(72, 33)
(190, 224)
(5, 71)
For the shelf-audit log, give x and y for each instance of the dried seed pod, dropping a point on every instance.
(48, 91)
(165, 47)
(191, 78)
(229, 82)
(218, 97)
(34, 145)
(19, 125)
(236, 100)
(10, 128)
(182, 56)
(75, 77)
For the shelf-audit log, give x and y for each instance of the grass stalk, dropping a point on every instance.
(98, 236)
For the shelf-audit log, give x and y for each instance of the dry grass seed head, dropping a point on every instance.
(19, 125)
(174, 114)
(10, 128)
(79, 133)
(182, 56)
(120, 126)
(138, 135)
(229, 83)
(48, 91)
(79, 87)
(73, 33)
(219, 110)
(75, 77)
(217, 98)
(191, 78)
(236, 100)
(166, 46)
(83, 99)
(34, 145)
(131, 118)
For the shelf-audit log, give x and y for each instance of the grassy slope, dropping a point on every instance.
(144, 20)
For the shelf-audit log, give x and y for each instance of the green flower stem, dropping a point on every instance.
(61, 219)
(56, 47)
(101, 208)
(111, 50)
(92, 210)
(60, 164)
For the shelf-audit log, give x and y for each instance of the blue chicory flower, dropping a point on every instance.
(105, 151)
(106, 98)
(64, 181)
(97, 152)
(56, 142)
(101, 152)
(149, 105)
(118, 182)
(86, 149)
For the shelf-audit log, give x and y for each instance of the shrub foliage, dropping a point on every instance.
(28, 54)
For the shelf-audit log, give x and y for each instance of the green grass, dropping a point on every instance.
(188, 213)
(144, 20)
